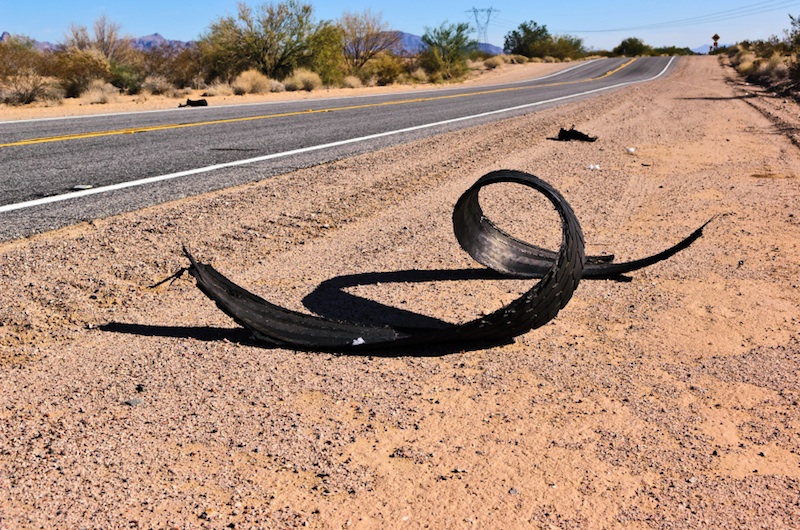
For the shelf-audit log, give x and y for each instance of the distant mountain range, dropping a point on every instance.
(704, 48)
(413, 44)
(140, 43)
(409, 43)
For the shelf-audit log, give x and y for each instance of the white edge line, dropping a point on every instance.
(170, 176)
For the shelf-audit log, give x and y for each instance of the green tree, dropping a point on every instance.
(530, 40)
(222, 50)
(564, 47)
(277, 37)
(447, 50)
(187, 68)
(326, 57)
(106, 38)
(365, 36)
(632, 47)
(273, 38)
(160, 60)
(105, 54)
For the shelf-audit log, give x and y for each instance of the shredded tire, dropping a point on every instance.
(559, 272)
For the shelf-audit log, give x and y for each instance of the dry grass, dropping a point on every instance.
(157, 85)
(101, 93)
(494, 62)
(352, 81)
(251, 82)
(774, 68)
(218, 88)
(276, 86)
(302, 79)
(419, 76)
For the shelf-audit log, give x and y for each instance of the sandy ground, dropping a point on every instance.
(670, 401)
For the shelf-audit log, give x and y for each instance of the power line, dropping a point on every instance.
(481, 22)
(744, 11)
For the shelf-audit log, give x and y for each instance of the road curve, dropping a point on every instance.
(60, 171)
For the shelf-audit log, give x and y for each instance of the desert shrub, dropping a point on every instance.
(127, 78)
(157, 85)
(22, 67)
(550, 59)
(448, 48)
(218, 88)
(53, 95)
(435, 77)
(23, 88)
(517, 59)
(276, 86)
(251, 82)
(772, 70)
(744, 62)
(494, 62)
(101, 92)
(782, 71)
(746, 67)
(352, 81)
(478, 55)
(76, 69)
(302, 79)
(386, 68)
(418, 75)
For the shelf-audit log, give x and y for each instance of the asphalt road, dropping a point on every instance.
(56, 172)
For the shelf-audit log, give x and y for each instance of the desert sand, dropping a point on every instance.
(668, 401)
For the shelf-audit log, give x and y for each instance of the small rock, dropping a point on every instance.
(209, 513)
(513, 491)
(135, 402)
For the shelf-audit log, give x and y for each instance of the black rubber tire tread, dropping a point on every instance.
(560, 274)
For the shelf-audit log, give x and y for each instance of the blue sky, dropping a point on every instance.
(602, 25)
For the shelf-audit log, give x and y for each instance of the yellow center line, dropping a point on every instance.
(135, 130)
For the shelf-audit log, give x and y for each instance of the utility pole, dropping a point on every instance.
(482, 19)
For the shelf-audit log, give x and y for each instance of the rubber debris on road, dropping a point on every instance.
(559, 273)
(568, 135)
(194, 103)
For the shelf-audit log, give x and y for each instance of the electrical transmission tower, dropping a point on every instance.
(482, 19)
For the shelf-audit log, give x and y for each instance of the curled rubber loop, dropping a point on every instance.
(559, 272)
